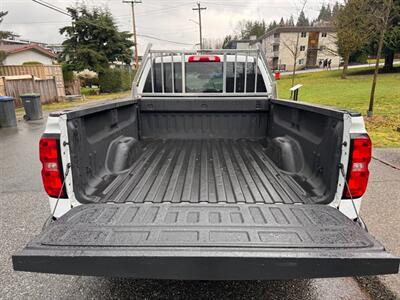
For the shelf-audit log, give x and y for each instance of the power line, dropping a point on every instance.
(53, 7)
(199, 9)
(34, 22)
(60, 10)
(164, 40)
(161, 10)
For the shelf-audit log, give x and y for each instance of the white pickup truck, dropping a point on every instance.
(204, 174)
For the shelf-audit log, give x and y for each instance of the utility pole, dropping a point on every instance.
(199, 8)
(132, 3)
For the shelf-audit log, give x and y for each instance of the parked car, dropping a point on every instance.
(204, 174)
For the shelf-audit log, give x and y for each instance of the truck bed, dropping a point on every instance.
(206, 170)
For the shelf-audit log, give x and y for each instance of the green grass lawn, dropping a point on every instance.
(67, 104)
(327, 88)
(373, 60)
(382, 60)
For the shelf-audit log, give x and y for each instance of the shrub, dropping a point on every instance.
(126, 79)
(90, 91)
(359, 57)
(3, 56)
(115, 80)
(68, 73)
(88, 78)
(32, 63)
(87, 74)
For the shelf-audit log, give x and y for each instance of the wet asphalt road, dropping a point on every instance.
(24, 209)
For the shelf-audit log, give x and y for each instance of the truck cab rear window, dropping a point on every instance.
(204, 77)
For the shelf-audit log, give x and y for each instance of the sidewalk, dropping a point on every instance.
(286, 73)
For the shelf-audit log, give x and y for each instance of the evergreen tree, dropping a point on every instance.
(227, 39)
(249, 28)
(391, 40)
(392, 36)
(328, 16)
(302, 20)
(322, 13)
(94, 41)
(4, 34)
(282, 22)
(354, 27)
(325, 13)
(335, 9)
(290, 22)
(272, 25)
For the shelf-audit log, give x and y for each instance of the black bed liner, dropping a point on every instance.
(211, 241)
(180, 225)
(186, 190)
(208, 170)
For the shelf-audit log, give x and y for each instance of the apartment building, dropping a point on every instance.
(315, 45)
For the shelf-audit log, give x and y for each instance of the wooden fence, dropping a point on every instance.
(73, 87)
(40, 71)
(16, 85)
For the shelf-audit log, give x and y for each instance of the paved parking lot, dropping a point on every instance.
(24, 209)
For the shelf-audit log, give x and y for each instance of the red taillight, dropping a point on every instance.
(51, 167)
(204, 58)
(358, 173)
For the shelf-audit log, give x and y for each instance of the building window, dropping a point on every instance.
(301, 61)
(302, 48)
(275, 48)
(324, 34)
(304, 34)
(276, 35)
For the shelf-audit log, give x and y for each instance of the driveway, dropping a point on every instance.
(24, 209)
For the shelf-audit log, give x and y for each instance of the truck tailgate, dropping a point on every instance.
(205, 241)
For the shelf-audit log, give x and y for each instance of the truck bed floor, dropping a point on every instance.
(211, 171)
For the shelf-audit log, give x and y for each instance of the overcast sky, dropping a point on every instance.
(168, 20)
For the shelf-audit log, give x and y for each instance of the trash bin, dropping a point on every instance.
(7, 112)
(32, 106)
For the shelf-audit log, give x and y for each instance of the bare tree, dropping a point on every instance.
(331, 40)
(293, 45)
(209, 43)
(382, 17)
